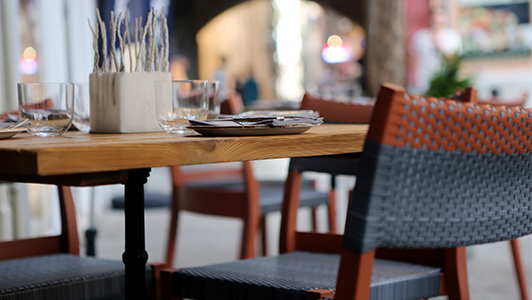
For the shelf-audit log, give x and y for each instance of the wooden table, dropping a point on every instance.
(81, 159)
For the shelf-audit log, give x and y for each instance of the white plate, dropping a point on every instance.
(247, 131)
(7, 133)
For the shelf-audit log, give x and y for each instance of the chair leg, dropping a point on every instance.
(172, 231)
(70, 240)
(166, 284)
(155, 292)
(456, 283)
(520, 271)
(292, 189)
(252, 216)
(315, 218)
(249, 234)
(354, 275)
(264, 236)
(332, 211)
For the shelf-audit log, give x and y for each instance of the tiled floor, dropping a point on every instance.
(204, 240)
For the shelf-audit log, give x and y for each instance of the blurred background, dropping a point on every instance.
(271, 52)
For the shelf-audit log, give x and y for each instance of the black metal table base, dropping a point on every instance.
(135, 255)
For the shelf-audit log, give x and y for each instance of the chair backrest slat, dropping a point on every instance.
(334, 111)
(440, 173)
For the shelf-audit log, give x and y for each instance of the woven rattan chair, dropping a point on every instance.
(51, 268)
(435, 176)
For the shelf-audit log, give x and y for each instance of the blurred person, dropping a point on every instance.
(427, 47)
(250, 90)
(224, 78)
(179, 66)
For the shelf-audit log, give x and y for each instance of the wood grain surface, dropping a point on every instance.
(83, 153)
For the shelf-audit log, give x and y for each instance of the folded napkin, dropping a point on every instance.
(278, 121)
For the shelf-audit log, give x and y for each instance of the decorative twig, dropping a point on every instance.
(142, 37)
(166, 63)
(155, 49)
(161, 40)
(136, 43)
(122, 43)
(96, 68)
(113, 56)
(147, 55)
(128, 41)
(103, 32)
(149, 49)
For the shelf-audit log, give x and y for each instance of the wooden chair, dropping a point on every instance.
(51, 268)
(232, 193)
(335, 112)
(429, 184)
(345, 112)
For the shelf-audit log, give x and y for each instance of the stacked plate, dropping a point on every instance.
(255, 125)
(9, 129)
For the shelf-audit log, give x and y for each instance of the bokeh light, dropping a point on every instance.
(28, 63)
(335, 50)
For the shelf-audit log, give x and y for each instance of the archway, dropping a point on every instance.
(188, 17)
(382, 19)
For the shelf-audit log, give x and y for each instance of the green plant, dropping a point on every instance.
(446, 82)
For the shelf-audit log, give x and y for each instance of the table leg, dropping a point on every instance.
(135, 255)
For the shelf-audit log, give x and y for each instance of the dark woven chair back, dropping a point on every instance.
(440, 173)
(334, 111)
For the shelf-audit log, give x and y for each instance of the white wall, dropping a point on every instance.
(8, 59)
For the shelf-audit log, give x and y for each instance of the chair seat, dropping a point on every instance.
(271, 193)
(63, 276)
(289, 276)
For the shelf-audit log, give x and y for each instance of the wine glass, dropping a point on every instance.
(179, 101)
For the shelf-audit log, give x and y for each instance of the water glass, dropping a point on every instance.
(49, 107)
(213, 99)
(179, 101)
(81, 107)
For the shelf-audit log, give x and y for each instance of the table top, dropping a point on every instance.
(83, 153)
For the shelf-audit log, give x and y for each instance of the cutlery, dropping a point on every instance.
(18, 124)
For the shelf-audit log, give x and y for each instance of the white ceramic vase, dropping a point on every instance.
(123, 102)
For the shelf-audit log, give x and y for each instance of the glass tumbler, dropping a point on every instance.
(178, 102)
(49, 107)
(213, 99)
(81, 107)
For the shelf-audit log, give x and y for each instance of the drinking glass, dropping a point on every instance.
(81, 107)
(213, 99)
(49, 107)
(179, 101)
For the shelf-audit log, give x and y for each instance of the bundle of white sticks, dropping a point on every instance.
(145, 56)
